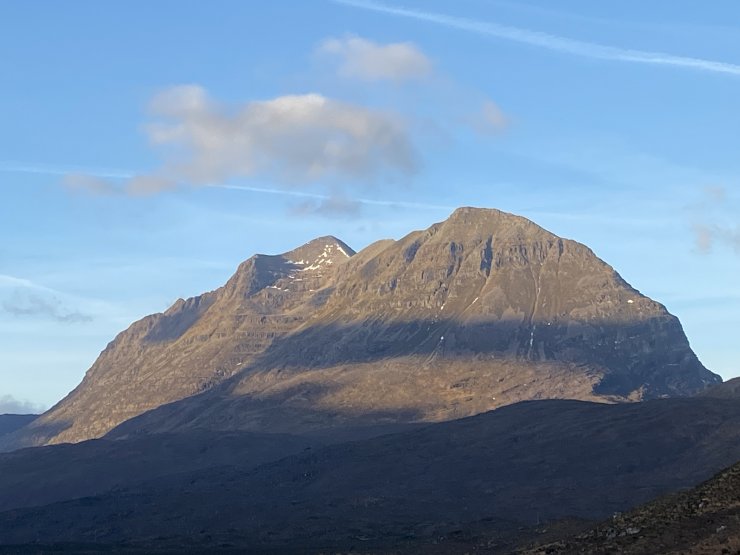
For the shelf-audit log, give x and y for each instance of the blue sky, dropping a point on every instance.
(146, 148)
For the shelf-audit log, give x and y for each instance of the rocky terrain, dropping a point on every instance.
(482, 310)
(477, 484)
(702, 521)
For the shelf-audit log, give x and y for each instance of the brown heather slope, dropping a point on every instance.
(481, 310)
(728, 390)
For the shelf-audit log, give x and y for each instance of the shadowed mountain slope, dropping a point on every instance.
(12, 422)
(479, 311)
(493, 473)
(42, 475)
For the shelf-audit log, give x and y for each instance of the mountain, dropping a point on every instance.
(12, 422)
(195, 344)
(476, 484)
(728, 390)
(702, 521)
(479, 311)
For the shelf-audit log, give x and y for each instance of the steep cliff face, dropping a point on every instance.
(481, 310)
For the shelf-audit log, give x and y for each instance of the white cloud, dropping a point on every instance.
(548, 41)
(11, 405)
(363, 59)
(292, 139)
(296, 138)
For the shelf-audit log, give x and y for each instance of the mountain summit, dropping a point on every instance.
(481, 310)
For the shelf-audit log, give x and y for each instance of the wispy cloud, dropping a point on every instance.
(548, 41)
(490, 119)
(364, 59)
(91, 184)
(713, 221)
(707, 236)
(11, 280)
(11, 405)
(320, 197)
(47, 169)
(21, 297)
(335, 206)
(24, 303)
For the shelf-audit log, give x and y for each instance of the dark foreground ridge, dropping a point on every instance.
(482, 483)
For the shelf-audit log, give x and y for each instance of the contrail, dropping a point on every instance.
(12, 167)
(12, 281)
(550, 42)
(15, 167)
(267, 191)
(374, 202)
(8, 281)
